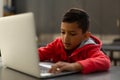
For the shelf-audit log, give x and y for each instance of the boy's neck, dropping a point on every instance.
(69, 52)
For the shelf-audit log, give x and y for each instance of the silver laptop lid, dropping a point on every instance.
(18, 43)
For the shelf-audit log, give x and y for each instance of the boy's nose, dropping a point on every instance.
(66, 38)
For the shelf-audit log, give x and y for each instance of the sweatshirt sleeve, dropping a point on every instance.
(97, 61)
(45, 53)
(49, 51)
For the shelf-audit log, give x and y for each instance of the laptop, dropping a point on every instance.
(18, 46)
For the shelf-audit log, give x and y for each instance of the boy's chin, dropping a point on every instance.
(68, 48)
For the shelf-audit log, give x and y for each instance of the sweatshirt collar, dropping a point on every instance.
(88, 41)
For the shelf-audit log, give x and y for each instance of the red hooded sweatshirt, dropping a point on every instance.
(88, 54)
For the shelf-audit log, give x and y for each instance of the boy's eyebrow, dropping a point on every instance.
(71, 31)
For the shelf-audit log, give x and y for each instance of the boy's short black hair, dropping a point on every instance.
(79, 16)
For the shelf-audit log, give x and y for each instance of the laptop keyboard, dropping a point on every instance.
(45, 66)
(44, 69)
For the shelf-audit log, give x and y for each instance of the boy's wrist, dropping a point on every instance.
(77, 66)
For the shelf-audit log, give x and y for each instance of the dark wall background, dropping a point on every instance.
(104, 14)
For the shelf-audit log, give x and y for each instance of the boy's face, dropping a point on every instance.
(71, 35)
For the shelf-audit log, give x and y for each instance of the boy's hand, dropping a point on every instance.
(64, 66)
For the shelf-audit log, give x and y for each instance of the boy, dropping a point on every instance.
(76, 49)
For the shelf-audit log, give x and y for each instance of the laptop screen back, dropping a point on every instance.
(18, 43)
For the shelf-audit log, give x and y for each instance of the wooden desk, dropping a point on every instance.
(112, 48)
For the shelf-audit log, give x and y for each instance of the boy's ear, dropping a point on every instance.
(87, 34)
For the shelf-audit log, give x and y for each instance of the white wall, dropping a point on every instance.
(1, 8)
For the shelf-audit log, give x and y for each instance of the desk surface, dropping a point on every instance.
(112, 74)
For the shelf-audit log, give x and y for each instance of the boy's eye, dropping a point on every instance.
(62, 32)
(73, 34)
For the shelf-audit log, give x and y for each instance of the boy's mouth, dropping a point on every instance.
(67, 44)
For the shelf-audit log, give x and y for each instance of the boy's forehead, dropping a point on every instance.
(72, 26)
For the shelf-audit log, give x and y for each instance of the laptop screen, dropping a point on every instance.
(18, 43)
